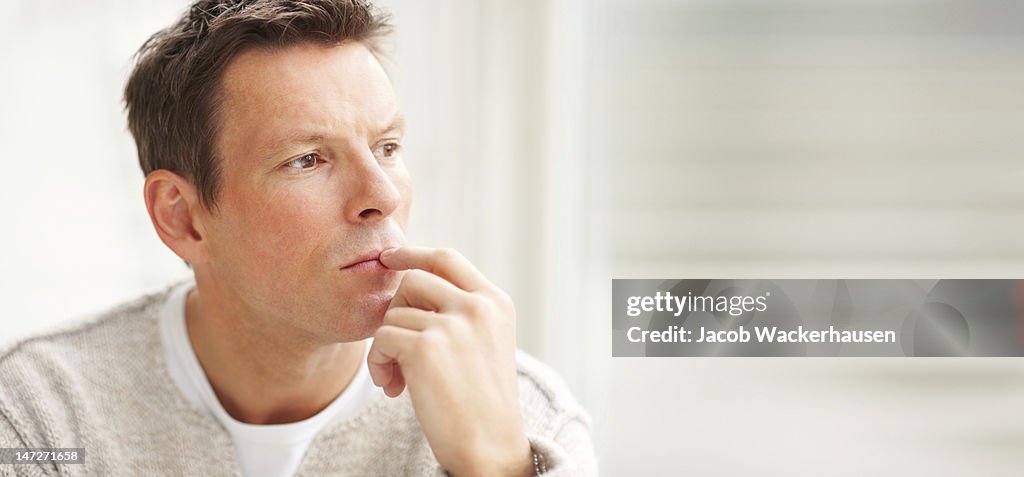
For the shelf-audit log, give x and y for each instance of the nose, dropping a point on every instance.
(372, 192)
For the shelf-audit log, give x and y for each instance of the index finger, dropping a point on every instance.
(443, 262)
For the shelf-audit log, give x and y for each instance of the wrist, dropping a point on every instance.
(540, 464)
(516, 460)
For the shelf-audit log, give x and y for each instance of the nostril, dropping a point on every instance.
(368, 212)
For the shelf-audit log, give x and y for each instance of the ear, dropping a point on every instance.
(173, 206)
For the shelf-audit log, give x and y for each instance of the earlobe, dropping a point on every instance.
(171, 202)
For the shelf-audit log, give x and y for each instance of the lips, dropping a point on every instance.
(367, 265)
(367, 261)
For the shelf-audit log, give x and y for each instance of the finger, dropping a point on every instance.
(426, 291)
(397, 384)
(389, 345)
(443, 262)
(410, 318)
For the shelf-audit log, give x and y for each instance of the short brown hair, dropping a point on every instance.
(172, 93)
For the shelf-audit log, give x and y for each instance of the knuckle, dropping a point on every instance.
(447, 255)
(450, 324)
(392, 316)
(414, 276)
(478, 307)
(384, 333)
(412, 273)
(504, 300)
(429, 341)
(389, 316)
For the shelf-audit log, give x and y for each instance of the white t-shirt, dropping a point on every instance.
(271, 450)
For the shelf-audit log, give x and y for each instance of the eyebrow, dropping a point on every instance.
(395, 125)
(277, 148)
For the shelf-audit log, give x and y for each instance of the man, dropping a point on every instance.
(312, 340)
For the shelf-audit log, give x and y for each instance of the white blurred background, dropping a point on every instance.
(561, 143)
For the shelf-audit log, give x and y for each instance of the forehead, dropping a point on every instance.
(268, 95)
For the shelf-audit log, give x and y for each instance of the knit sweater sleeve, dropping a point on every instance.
(556, 424)
(569, 453)
(9, 438)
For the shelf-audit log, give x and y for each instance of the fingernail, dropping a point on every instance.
(387, 253)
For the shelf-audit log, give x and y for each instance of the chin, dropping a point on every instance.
(362, 320)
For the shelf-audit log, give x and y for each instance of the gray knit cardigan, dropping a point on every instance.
(102, 384)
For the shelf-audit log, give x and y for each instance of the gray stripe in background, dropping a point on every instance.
(816, 318)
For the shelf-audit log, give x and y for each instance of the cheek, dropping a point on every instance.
(281, 232)
(291, 233)
(403, 183)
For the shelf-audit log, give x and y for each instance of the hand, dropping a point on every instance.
(449, 336)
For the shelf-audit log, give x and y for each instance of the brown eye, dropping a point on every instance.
(386, 152)
(308, 161)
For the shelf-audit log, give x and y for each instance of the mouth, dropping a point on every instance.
(366, 266)
(366, 263)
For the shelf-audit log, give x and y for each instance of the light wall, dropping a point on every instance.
(806, 139)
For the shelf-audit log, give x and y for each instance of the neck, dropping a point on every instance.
(266, 375)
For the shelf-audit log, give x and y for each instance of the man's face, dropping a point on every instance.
(311, 182)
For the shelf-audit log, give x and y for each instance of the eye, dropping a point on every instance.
(306, 162)
(386, 152)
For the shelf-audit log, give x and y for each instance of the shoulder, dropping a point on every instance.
(547, 402)
(81, 340)
(48, 379)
